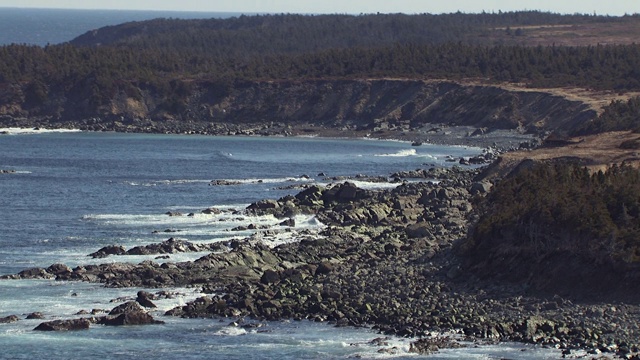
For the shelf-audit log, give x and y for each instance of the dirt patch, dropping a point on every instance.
(597, 151)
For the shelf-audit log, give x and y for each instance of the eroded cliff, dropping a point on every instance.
(370, 105)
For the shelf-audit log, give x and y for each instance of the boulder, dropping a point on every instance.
(264, 205)
(35, 315)
(269, 277)
(129, 313)
(324, 268)
(348, 191)
(109, 250)
(481, 187)
(9, 319)
(34, 273)
(132, 318)
(418, 230)
(59, 269)
(289, 222)
(211, 211)
(64, 325)
(144, 299)
(311, 196)
(224, 182)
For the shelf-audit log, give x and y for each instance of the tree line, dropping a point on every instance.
(166, 56)
(559, 211)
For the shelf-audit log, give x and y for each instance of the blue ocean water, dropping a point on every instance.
(54, 26)
(74, 192)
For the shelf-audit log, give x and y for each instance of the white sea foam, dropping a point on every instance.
(369, 185)
(266, 180)
(64, 299)
(401, 153)
(23, 131)
(230, 331)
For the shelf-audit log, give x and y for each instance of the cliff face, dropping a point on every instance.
(339, 104)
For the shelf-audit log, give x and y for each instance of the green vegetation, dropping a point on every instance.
(618, 116)
(165, 57)
(558, 211)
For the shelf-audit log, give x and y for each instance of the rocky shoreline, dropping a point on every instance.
(388, 259)
(440, 134)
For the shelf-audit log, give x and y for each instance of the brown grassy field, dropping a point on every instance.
(625, 31)
(597, 152)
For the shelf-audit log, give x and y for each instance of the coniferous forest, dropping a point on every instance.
(167, 56)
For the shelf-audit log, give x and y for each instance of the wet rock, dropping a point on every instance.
(144, 299)
(129, 313)
(264, 204)
(109, 250)
(34, 273)
(428, 346)
(35, 315)
(64, 325)
(289, 222)
(224, 182)
(59, 270)
(9, 319)
(211, 211)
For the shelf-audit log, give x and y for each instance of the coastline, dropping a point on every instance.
(403, 250)
(436, 134)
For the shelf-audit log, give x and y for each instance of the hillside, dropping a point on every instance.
(169, 75)
(291, 33)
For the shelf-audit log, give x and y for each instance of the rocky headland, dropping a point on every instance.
(388, 259)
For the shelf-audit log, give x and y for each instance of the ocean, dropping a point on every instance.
(74, 192)
(54, 26)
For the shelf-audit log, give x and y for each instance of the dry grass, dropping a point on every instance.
(598, 151)
(622, 32)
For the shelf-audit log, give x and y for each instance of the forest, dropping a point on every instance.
(166, 56)
(552, 211)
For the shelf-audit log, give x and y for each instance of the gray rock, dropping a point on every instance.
(35, 315)
(64, 325)
(144, 299)
(481, 187)
(9, 319)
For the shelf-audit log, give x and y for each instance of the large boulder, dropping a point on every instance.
(64, 325)
(418, 230)
(264, 205)
(144, 299)
(9, 319)
(129, 313)
(59, 270)
(34, 273)
(108, 250)
(481, 187)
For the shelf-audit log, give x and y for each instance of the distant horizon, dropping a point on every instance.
(306, 13)
(354, 7)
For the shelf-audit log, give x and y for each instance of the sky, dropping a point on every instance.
(600, 7)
